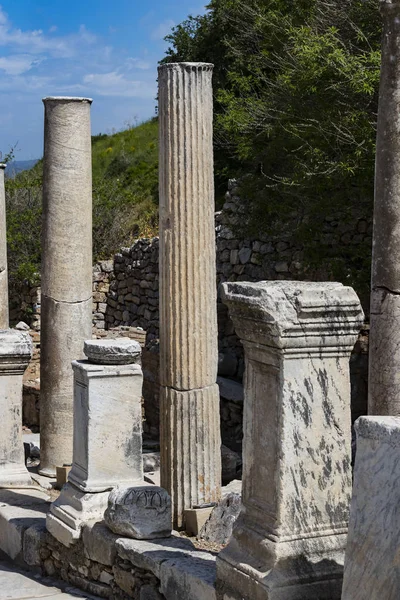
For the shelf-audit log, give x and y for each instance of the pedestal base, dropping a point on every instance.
(14, 476)
(50, 472)
(315, 574)
(72, 510)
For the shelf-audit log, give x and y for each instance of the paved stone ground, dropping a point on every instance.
(17, 585)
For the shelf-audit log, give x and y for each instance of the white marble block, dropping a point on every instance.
(107, 435)
(15, 353)
(288, 542)
(373, 547)
(140, 512)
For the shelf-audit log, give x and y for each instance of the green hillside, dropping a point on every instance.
(125, 187)
(125, 199)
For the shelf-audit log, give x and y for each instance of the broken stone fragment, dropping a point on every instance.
(218, 528)
(119, 351)
(141, 512)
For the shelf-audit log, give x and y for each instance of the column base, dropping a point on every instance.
(48, 472)
(190, 448)
(14, 476)
(72, 510)
(304, 569)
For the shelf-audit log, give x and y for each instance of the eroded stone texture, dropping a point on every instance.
(289, 540)
(384, 354)
(140, 512)
(107, 442)
(15, 353)
(371, 565)
(188, 315)
(120, 351)
(66, 297)
(4, 322)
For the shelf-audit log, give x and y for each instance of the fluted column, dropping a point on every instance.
(4, 323)
(190, 430)
(384, 364)
(66, 302)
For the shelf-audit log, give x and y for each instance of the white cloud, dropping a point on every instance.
(137, 63)
(18, 64)
(116, 84)
(37, 41)
(162, 30)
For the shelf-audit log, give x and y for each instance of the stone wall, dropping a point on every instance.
(125, 293)
(110, 566)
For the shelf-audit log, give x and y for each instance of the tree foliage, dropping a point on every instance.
(296, 90)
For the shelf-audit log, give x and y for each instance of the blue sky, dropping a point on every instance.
(103, 49)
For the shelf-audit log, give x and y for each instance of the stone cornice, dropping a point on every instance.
(15, 351)
(296, 315)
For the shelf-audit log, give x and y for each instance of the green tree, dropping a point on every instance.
(296, 90)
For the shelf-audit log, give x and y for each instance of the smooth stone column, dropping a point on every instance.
(371, 567)
(290, 537)
(4, 321)
(189, 411)
(15, 354)
(66, 302)
(107, 435)
(384, 345)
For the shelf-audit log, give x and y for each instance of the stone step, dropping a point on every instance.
(20, 509)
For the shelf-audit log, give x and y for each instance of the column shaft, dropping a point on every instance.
(4, 319)
(384, 380)
(188, 317)
(66, 302)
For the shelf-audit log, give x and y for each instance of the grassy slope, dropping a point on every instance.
(125, 199)
(125, 187)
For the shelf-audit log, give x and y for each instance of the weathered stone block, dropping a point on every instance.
(142, 512)
(289, 539)
(99, 543)
(371, 565)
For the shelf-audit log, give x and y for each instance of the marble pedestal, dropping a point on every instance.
(107, 435)
(288, 542)
(371, 567)
(15, 353)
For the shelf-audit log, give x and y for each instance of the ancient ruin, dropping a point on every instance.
(290, 538)
(107, 434)
(189, 397)
(372, 543)
(3, 255)
(15, 353)
(281, 529)
(384, 357)
(66, 301)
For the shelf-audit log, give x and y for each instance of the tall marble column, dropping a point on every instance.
(4, 323)
(66, 302)
(190, 428)
(290, 537)
(15, 354)
(384, 348)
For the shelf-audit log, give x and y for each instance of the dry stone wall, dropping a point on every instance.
(126, 293)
